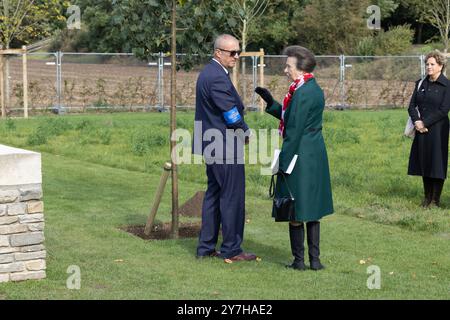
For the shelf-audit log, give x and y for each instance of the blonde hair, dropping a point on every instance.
(439, 57)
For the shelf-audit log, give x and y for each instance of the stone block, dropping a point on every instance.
(19, 240)
(8, 220)
(12, 267)
(35, 207)
(19, 167)
(32, 193)
(8, 250)
(24, 256)
(6, 258)
(36, 226)
(4, 241)
(17, 208)
(4, 277)
(31, 218)
(3, 209)
(30, 275)
(8, 196)
(13, 228)
(35, 265)
(38, 247)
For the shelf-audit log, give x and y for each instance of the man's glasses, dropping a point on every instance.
(233, 53)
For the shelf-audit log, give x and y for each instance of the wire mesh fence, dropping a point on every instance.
(99, 82)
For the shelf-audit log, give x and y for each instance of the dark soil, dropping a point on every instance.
(193, 207)
(163, 231)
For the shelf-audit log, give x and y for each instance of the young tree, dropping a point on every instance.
(247, 12)
(24, 21)
(438, 15)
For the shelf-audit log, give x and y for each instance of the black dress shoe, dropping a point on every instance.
(316, 265)
(211, 255)
(296, 266)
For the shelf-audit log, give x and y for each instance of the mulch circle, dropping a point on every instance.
(193, 207)
(163, 231)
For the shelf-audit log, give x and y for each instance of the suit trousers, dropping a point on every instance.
(224, 204)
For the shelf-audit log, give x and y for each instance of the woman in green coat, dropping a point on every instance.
(301, 128)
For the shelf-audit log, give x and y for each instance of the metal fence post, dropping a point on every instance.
(161, 81)
(254, 70)
(422, 66)
(342, 79)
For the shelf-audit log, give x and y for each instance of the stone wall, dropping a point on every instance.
(22, 251)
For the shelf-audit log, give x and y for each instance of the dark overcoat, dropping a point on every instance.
(310, 178)
(429, 151)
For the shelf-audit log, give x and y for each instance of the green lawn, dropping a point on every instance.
(100, 173)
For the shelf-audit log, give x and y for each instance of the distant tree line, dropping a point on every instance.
(143, 26)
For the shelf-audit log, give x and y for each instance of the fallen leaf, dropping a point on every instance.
(434, 277)
(258, 259)
(391, 273)
(118, 260)
(247, 221)
(228, 261)
(362, 261)
(215, 293)
(360, 216)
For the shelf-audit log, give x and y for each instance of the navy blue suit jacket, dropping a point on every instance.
(216, 100)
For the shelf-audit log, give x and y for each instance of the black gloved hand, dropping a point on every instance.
(265, 95)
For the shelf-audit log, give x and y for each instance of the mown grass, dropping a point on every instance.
(100, 173)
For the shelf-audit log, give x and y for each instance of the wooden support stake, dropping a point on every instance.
(234, 78)
(158, 196)
(2, 87)
(25, 82)
(261, 78)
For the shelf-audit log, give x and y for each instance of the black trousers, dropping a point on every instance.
(224, 204)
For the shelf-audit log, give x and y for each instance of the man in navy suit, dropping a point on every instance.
(219, 135)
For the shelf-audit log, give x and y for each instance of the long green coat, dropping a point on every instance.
(309, 182)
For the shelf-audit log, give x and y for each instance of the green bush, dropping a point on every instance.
(36, 138)
(10, 125)
(395, 41)
(366, 47)
(143, 141)
(55, 126)
(105, 136)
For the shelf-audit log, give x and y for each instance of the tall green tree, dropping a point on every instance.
(24, 21)
(332, 27)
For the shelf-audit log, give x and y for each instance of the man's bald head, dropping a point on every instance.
(226, 50)
(224, 40)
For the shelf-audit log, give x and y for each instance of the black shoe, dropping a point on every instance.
(296, 266)
(316, 265)
(214, 254)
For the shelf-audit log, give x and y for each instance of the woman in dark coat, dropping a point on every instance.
(428, 109)
(301, 128)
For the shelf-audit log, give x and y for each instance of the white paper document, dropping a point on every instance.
(276, 162)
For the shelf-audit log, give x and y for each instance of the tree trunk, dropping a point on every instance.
(173, 123)
(244, 48)
(419, 33)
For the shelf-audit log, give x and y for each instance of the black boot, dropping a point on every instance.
(428, 191)
(313, 235)
(438, 185)
(297, 237)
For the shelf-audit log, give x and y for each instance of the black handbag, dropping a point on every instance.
(284, 207)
